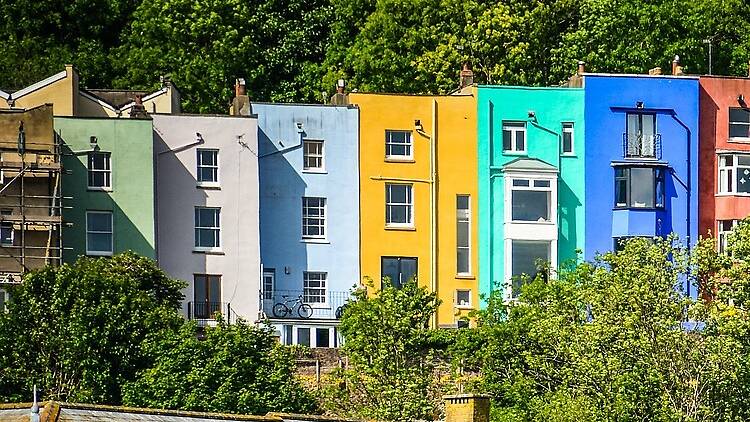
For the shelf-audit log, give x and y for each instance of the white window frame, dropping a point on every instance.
(322, 208)
(199, 248)
(515, 127)
(269, 274)
(409, 204)
(293, 332)
(199, 166)
(729, 172)
(458, 305)
(729, 127)
(7, 225)
(306, 155)
(465, 219)
(321, 291)
(106, 171)
(111, 234)
(722, 236)
(409, 145)
(533, 181)
(551, 252)
(568, 127)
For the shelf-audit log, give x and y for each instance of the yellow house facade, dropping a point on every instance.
(418, 195)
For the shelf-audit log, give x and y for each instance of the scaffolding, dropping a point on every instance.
(31, 199)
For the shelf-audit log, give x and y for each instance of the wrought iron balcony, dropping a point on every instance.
(323, 304)
(206, 312)
(636, 145)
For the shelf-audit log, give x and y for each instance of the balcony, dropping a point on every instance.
(301, 305)
(206, 313)
(636, 145)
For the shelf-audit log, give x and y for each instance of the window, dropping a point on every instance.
(99, 233)
(269, 281)
(463, 234)
(514, 137)
(463, 298)
(303, 336)
(525, 256)
(621, 241)
(3, 299)
(641, 135)
(734, 174)
(314, 287)
(322, 337)
(398, 144)
(206, 295)
(531, 200)
(567, 138)
(725, 229)
(463, 322)
(6, 229)
(207, 228)
(288, 335)
(639, 187)
(312, 155)
(100, 170)
(208, 166)
(313, 218)
(398, 270)
(739, 123)
(399, 205)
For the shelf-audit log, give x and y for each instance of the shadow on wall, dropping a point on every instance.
(570, 203)
(706, 161)
(127, 234)
(281, 192)
(175, 252)
(664, 223)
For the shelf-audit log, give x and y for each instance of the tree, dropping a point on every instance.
(78, 330)
(392, 356)
(204, 45)
(237, 368)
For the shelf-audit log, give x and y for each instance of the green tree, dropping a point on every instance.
(275, 45)
(238, 368)
(392, 356)
(78, 331)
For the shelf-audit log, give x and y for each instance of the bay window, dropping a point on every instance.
(531, 200)
(734, 174)
(639, 187)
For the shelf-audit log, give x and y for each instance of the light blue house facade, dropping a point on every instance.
(641, 159)
(309, 217)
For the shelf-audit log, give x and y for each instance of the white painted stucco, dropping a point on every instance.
(238, 261)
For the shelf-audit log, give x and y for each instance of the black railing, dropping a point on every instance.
(324, 304)
(635, 145)
(209, 311)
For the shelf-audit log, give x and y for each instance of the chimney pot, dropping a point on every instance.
(581, 67)
(676, 65)
(340, 86)
(467, 76)
(239, 87)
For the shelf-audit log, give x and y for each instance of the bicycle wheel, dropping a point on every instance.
(280, 310)
(305, 311)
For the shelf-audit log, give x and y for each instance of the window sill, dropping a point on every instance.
(568, 155)
(209, 251)
(466, 307)
(638, 209)
(740, 140)
(319, 241)
(204, 185)
(546, 223)
(98, 189)
(465, 277)
(95, 253)
(745, 195)
(401, 228)
(314, 171)
(400, 160)
(522, 153)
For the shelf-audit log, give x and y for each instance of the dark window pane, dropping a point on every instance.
(200, 289)
(743, 180)
(642, 187)
(288, 335)
(739, 115)
(322, 337)
(303, 336)
(660, 190)
(741, 130)
(520, 141)
(521, 182)
(462, 260)
(567, 145)
(408, 269)
(530, 205)
(507, 145)
(389, 271)
(524, 260)
(462, 202)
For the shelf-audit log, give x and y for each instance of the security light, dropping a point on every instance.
(418, 125)
(639, 104)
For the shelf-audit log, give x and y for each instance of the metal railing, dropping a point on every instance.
(635, 145)
(325, 304)
(203, 312)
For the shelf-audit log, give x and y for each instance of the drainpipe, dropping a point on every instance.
(688, 190)
(433, 204)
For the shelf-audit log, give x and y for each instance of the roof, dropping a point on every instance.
(71, 412)
(529, 164)
(117, 97)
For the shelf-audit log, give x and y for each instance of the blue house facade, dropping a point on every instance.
(309, 217)
(641, 159)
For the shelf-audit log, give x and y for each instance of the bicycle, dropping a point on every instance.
(282, 309)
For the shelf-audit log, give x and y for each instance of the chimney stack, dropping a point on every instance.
(676, 68)
(467, 76)
(467, 408)
(655, 71)
(581, 68)
(138, 110)
(241, 103)
(340, 98)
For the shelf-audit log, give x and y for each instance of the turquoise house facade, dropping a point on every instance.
(531, 181)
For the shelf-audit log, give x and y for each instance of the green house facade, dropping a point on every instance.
(531, 181)
(109, 177)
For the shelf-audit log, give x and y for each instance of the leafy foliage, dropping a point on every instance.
(78, 331)
(236, 368)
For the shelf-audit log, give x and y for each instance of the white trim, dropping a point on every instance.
(145, 98)
(111, 234)
(455, 299)
(97, 100)
(572, 130)
(4, 95)
(41, 84)
(322, 168)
